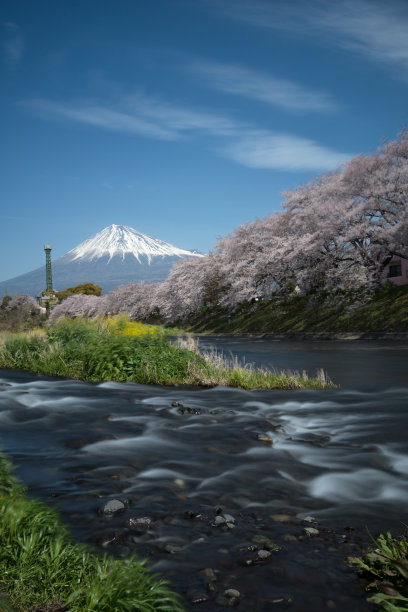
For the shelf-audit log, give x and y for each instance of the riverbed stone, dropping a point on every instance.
(311, 531)
(208, 574)
(229, 598)
(197, 596)
(113, 506)
(309, 519)
(172, 549)
(229, 518)
(281, 518)
(265, 438)
(140, 524)
(232, 593)
(267, 543)
(264, 554)
(289, 537)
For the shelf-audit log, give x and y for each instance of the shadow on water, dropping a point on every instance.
(221, 487)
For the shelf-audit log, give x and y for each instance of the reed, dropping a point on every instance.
(229, 372)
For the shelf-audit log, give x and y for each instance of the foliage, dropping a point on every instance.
(385, 567)
(40, 564)
(121, 324)
(20, 313)
(336, 234)
(84, 289)
(105, 350)
(78, 306)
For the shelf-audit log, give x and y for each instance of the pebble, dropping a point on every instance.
(281, 518)
(229, 598)
(309, 519)
(114, 505)
(264, 554)
(208, 574)
(265, 438)
(311, 531)
(197, 596)
(232, 593)
(289, 537)
(266, 542)
(172, 550)
(143, 523)
(229, 518)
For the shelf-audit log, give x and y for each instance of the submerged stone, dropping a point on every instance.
(113, 506)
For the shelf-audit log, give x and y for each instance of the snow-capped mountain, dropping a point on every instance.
(115, 256)
(120, 241)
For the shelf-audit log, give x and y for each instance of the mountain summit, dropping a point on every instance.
(117, 255)
(121, 240)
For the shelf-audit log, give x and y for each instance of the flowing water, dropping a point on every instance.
(219, 486)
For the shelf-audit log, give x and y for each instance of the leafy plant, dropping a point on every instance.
(385, 566)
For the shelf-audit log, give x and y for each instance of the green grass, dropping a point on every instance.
(384, 311)
(385, 570)
(96, 351)
(40, 564)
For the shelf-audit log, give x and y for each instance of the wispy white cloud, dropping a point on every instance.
(375, 29)
(137, 115)
(379, 31)
(240, 142)
(276, 151)
(99, 116)
(13, 44)
(181, 120)
(263, 87)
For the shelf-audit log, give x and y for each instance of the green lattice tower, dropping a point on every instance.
(48, 272)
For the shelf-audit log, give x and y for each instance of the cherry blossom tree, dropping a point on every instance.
(339, 231)
(79, 305)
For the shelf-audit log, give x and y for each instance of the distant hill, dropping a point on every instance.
(117, 255)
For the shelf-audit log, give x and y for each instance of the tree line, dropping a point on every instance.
(337, 233)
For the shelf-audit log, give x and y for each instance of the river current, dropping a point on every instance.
(264, 492)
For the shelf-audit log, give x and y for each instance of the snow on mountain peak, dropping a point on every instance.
(122, 240)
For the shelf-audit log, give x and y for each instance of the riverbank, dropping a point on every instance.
(311, 336)
(381, 315)
(117, 349)
(42, 568)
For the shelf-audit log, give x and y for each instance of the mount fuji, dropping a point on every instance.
(117, 255)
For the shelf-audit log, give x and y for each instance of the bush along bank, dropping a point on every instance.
(41, 568)
(385, 311)
(125, 351)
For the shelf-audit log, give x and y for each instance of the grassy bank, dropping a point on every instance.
(121, 350)
(41, 568)
(384, 311)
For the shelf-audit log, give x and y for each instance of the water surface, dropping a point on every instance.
(274, 463)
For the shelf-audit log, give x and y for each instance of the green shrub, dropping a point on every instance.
(141, 359)
(78, 331)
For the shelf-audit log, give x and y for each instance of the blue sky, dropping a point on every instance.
(183, 118)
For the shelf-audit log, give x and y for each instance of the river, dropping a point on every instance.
(221, 487)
